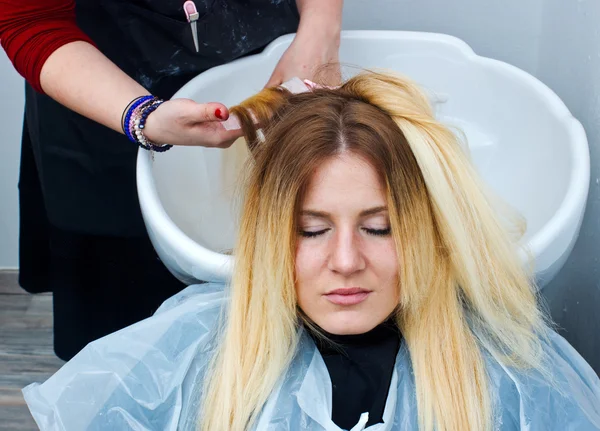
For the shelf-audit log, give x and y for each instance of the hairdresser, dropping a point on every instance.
(96, 71)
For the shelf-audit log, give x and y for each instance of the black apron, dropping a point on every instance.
(82, 235)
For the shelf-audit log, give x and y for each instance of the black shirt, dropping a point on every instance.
(360, 367)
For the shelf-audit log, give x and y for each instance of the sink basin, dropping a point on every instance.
(523, 141)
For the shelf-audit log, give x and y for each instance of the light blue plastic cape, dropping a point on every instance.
(148, 377)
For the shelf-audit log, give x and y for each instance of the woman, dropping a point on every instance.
(81, 231)
(373, 287)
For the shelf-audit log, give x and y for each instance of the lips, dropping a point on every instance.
(347, 296)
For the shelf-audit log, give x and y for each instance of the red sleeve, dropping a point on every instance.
(31, 30)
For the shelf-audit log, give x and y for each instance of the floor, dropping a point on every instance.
(26, 354)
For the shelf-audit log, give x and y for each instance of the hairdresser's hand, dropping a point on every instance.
(185, 122)
(314, 53)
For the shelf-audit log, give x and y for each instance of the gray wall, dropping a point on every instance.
(558, 41)
(569, 63)
(507, 30)
(11, 120)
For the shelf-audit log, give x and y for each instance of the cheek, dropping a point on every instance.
(384, 258)
(308, 260)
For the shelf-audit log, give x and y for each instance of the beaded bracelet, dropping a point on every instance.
(138, 122)
(129, 111)
(134, 122)
(126, 110)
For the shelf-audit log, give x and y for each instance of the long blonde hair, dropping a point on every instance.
(462, 286)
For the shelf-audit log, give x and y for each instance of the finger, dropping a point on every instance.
(231, 134)
(212, 112)
(274, 80)
(227, 144)
(219, 139)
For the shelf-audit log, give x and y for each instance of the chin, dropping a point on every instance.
(348, 325)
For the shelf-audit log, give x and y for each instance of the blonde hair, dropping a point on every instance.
(463, 288)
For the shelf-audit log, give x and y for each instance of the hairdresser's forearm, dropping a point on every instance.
(321, 18)
(80, 77)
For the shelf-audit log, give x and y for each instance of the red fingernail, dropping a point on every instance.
(218, 113)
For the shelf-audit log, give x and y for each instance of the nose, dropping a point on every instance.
(346, 256)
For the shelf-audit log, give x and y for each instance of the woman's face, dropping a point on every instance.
(346, 262)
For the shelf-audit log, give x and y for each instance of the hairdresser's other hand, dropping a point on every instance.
(316, 44)
(185, 122)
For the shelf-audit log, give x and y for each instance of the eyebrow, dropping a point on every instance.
(364, 213)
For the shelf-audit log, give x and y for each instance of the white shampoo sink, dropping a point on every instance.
(522, 138)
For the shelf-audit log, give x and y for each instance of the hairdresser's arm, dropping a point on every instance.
(316, 44)
(80, 77)
(47, 47)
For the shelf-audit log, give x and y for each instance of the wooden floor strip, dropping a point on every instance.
(26, 352)
(9, 283)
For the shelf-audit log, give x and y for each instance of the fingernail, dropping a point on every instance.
(218, 113)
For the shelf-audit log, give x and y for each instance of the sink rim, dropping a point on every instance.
(219, 266)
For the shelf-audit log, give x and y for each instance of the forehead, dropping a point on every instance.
(344, 181)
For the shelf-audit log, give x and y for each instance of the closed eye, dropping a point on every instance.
(374, 232)
(312, 234)
(378, 232)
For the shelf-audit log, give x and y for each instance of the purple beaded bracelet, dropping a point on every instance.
(132, 106)
(138, 136)
(135, 122)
